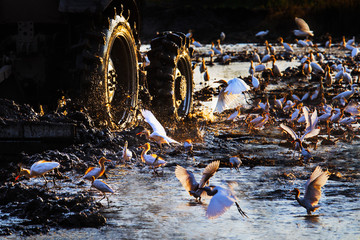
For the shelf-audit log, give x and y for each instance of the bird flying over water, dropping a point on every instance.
(189, 182)
(221, 201)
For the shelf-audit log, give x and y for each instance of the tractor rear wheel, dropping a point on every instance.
(170, 76)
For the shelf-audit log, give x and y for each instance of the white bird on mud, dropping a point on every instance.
(286, 46)
(39, 168)
(159, 134)
(189, 182)
(255, 82)
(188, 146)
(221, 201)
(152, 160)
(231, 95)
(96, 171)
(346, 95)
(303, 30)
(102, 187)
(312, 190)
(126, 153)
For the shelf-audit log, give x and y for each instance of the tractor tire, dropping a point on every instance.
(170, 76)
(111, 81)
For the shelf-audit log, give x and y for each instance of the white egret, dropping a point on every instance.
(96, 171)
(312, 190)
(187, 179)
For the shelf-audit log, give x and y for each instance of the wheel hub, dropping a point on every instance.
(180, 87)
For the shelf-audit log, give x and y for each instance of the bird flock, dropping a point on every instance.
(326, 104)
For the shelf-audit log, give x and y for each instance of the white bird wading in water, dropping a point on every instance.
(312, 190)
(39, 168)
(102, 187)
(152, 160)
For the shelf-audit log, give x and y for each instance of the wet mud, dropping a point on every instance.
(28, 207)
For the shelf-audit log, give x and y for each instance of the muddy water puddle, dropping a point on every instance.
(147, 206)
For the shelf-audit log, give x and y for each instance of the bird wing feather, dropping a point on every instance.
(186, 178)
(102, 186)
(289, 131)
(302, 25)
(42, 166)
(208, 172)
(154, 123)
(313, 186)
(228, 101)
(236, 86)
(219, 203)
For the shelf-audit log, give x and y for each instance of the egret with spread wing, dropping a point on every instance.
(158, 135)
(312, 190)
(189, 182)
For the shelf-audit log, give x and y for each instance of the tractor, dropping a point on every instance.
(89, 52)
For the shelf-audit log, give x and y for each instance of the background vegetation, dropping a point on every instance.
(241, 19)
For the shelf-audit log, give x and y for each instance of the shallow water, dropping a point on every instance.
(145, 206)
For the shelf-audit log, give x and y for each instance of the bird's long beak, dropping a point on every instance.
(16, 178)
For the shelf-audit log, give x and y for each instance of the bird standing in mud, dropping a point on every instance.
(188, 146)
(126, 153)
(152, 160)
(189, 182)
(222, 199)
(312, 190)
(158, 135)
(102, 187)
(96, 171)
(39, 168)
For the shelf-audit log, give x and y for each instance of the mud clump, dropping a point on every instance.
(40, 207)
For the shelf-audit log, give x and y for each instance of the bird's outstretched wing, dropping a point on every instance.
(236, 86)
(186, 178)
(313, 186)
(154, 123)
(302, 25)
(289, 131)
(228, 101)
(219, 203)
(208, 172)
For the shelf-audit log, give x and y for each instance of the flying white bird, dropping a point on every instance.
(221, 201)
(303, 30)
(158, 135)
(231, 95)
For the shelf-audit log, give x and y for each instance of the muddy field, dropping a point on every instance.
(152, 206)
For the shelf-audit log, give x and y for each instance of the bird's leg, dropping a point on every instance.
(107, 199)
(240, 210)
(328, 129)
(45, 181)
